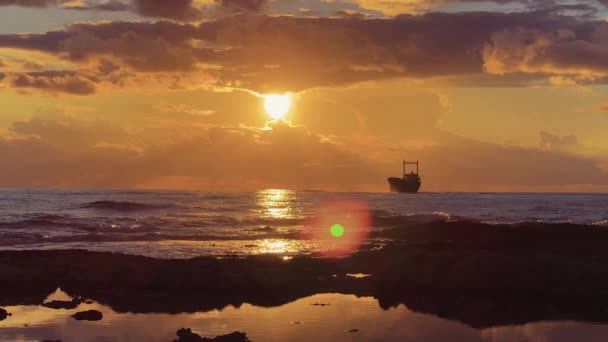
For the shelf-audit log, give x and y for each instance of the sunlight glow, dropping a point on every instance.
(341, 238)
(277, 106)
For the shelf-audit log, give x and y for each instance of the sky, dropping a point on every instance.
(502, 95)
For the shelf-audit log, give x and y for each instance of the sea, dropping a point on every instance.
(179, 224)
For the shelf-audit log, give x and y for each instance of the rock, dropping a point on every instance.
(186, 335)
(50, 341)
(62, 304)
(320, 304)
(353, 330)
(232, 337)
(89, 302)
(89, 315)
(3, 314)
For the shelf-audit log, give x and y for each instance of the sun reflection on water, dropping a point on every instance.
(276, 203)
(274, 246)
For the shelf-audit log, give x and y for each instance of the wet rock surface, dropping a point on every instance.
(89, 315)
(477, 274)
(186, 335)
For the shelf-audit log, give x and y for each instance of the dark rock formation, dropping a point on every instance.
(89, 315)
(3, 314)
(186, 335)
(62, 304)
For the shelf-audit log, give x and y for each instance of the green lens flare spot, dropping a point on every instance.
(337, 230)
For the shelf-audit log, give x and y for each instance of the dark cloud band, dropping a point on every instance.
(267, 53)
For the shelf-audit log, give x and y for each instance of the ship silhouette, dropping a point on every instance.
(409, 183)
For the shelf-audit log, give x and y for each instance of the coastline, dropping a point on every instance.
(480, 275)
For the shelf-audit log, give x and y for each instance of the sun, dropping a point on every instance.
(277, 105)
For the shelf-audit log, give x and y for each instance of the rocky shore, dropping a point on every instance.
(474, 273)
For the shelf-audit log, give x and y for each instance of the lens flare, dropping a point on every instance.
(342, 225)
(337, 230)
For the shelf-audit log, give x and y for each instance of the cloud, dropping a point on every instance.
(111, 5)
(13, 64)
(53, 127)
(395, 109)
(31, 3)
(143, 46)
(183, 109)
(309, 12)
(174, 9)
(193, 10)
(468, 164)
(396, 7)
(553, 142)
(245, 5)
(578, 51)
(281, 53)
(53, 82)
(81, 153)
(179, 10)
(78, 153)
(351, 14)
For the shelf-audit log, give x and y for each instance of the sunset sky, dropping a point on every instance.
(504, 95)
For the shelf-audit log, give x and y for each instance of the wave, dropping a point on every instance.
(124, 206)
(18, 238)
(438, 216)
(28, 238)
(602, 223)
(53, 223)
(35, 220)
(42, 220)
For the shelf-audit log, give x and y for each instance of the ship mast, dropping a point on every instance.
(411, 163)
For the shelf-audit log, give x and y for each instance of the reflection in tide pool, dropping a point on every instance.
(317, 323)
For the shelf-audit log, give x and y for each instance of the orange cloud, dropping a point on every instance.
(80, 153)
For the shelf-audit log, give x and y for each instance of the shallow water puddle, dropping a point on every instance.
(322, 317)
